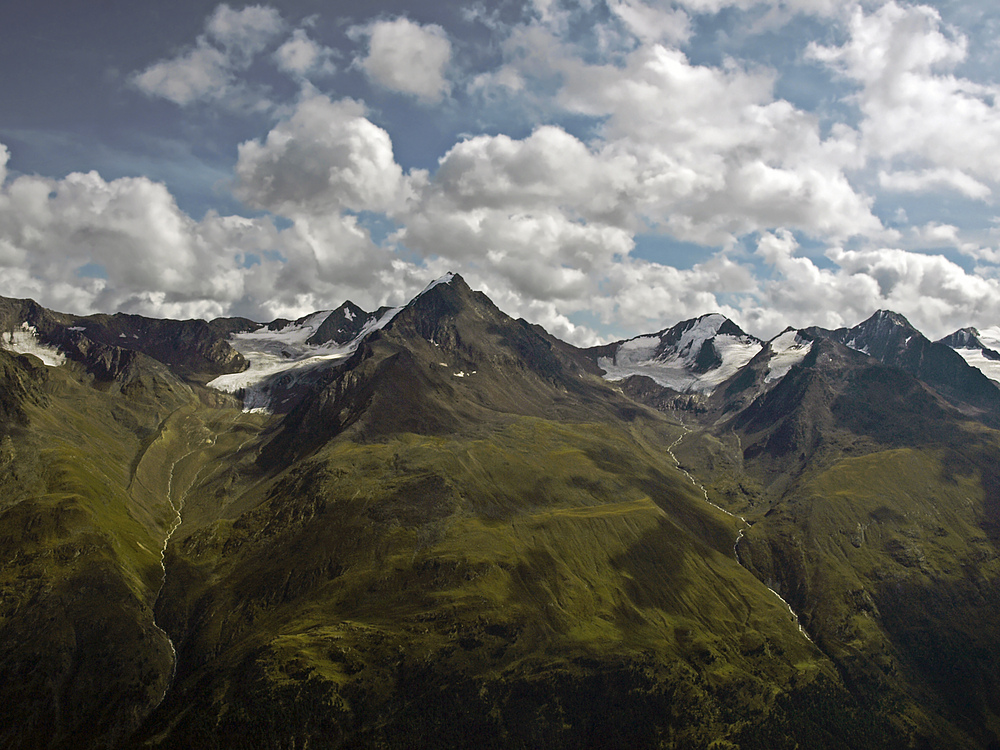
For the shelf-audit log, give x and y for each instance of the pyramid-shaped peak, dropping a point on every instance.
(963, 338)
(888, 317)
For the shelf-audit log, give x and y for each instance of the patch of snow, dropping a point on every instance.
(446, 279)
(348, 314)
(76, 328)
(975, 357)
(674, 368)
(25, 341)
(271, 353)
(853, 344)
(121, 336)
(787, 350)
(991, 338)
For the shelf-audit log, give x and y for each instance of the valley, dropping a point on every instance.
(456, 530)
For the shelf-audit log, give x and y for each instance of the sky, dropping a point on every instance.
(604, 168)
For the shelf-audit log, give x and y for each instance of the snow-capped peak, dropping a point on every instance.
(979, 348)
(287, 350)
(693, 356)
(446, 279)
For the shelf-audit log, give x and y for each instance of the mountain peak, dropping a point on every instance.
(694, 355)
(883, 317)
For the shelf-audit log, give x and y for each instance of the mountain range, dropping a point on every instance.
(436, 526)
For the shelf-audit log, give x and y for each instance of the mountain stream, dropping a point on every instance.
(739, 536)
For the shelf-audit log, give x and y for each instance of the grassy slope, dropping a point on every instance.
(557, 584)
(83, 516)
(890, 556)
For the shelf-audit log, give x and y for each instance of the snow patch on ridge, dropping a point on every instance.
(25, 341)
(271, 353)
(446, 279)
(975, 357)
(675, 366)
(787, 350)
(977, 347)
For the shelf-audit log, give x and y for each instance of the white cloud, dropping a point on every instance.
(244, 33)
(407, 57)
(85, 244)
(935, 294)
(200, 73)
(714, 155)
(930, 180)
(207, 72)
(326, 157)
(652, 24)
(157, 260)
(915, 110)
(4, 158)
(301, 55)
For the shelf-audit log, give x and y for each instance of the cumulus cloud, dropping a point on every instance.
(301, 55)
(705, 154)
(935, 294)
(326, 157)
(86, 244)
(207, 70)
(915, 109)
(407, 57)
(153, 256)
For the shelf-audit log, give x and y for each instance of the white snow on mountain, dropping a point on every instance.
(271, 353)
(674, 367)
(446, 279)
(787, 350)
(990, 338)
(25, 341)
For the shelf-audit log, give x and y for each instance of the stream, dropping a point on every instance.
(739, 536)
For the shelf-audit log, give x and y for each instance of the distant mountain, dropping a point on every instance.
(981, 349)
(693, 356)
(437, 526)
(889, 338)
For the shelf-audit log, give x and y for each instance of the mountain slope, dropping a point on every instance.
(693, 356)
(462, 523)
(449, 529)
(889, 338)
(981, 349)
(871, 500)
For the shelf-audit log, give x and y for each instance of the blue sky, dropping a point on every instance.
(602, 167)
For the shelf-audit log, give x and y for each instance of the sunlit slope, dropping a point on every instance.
(557, 584)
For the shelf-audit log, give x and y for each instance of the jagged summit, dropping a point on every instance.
(888, 337)
(694, 356)
(963, 338)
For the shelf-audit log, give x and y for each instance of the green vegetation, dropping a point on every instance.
(519, 557)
